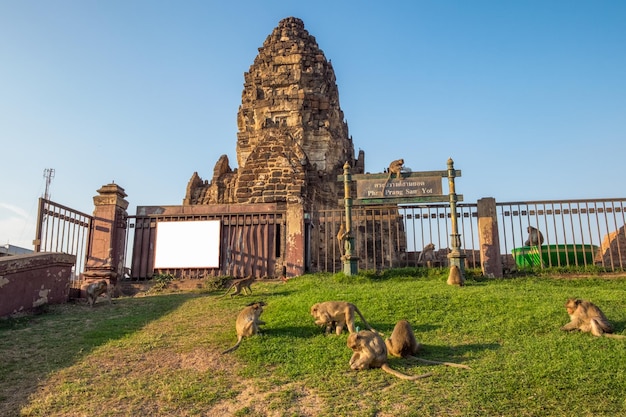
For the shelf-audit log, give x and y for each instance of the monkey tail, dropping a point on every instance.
(400, 375)
(234, 347)
(227, 290)
(363, 319)
(614, 336)
(455, 365)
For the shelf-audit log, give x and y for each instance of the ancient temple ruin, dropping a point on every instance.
(292, 138)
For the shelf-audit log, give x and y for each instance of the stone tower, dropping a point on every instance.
(292, 139)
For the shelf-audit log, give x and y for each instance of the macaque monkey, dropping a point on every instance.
(95, 289)
(342, 235)
(370, 352)
(428, 255)
(455, 277)
(247, 323)
(587, 317)
(337, 314)
(240, 284)
(535, 238)
(402, 344)
(395, 167)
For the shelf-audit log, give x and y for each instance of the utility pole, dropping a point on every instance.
(48, 174)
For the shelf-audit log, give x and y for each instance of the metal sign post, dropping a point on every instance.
(350, 261)
(455, 256)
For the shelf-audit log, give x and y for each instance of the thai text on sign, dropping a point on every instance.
(394, 188)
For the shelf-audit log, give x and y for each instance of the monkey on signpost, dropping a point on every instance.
(342, 236)
(395, 167)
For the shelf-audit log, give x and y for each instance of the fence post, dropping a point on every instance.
(105, 254)
(295, 245)
(489, 242)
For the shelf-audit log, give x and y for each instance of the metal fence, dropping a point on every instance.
(62, 229)
(251, 244)
(385, 236)
(394, 236)
(575, 232)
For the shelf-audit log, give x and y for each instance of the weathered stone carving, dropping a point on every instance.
(292, 139)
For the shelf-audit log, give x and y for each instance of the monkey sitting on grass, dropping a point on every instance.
(402, 344)
(587, 317)
(96, 289)
(370, 352)
(248, 323)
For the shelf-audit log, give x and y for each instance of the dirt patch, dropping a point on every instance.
(285, 399)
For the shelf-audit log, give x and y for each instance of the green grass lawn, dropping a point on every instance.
(160, 355)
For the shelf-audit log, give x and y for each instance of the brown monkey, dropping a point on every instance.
(247, 323)
(428, 255)
(370, 352)
(587, 317)
(342, 235)
(338, 314)
(535, 238)
(240, 284)
(95, 289)
(403, 344)
(455, 277)
(395, 167)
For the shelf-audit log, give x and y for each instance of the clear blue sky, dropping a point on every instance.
(527, 97)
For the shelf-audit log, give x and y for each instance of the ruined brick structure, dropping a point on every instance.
(292, 139)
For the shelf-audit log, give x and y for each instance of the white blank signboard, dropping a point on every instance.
(187, 244)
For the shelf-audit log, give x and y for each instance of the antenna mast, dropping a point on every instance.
(48, 174)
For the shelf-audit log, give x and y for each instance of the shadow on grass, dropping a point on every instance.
(68, 333)
(449, 351)
(619, 327)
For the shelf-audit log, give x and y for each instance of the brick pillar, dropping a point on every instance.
(105, 256)
(490, 259)
(294, 248)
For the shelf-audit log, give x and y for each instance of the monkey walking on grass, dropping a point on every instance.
(239, 285)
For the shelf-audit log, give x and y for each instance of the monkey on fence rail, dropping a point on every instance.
(370, 352)
(587, 317)
(342, 236)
